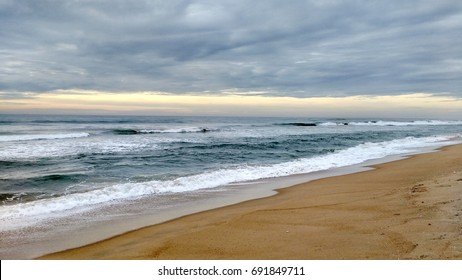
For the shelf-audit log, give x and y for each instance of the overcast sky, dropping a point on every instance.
(270, 48)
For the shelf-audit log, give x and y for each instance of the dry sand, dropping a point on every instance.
(407, 209)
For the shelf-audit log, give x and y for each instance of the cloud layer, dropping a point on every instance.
(279, 48)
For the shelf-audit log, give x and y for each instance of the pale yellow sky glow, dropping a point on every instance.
(422, 105)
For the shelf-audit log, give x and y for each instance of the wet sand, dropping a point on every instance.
(406, 209)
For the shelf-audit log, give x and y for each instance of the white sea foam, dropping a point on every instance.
(394, 123)
(67, 147)
(33, 212)
(330, 124)
(28, 137)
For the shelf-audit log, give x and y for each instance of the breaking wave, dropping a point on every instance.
(156, 131)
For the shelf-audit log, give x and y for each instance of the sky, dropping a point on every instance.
(258, 58)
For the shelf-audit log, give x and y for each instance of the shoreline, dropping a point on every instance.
(73, 231)
(110, 222)
(380, 213)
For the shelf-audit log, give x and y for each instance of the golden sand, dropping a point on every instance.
(407, 209)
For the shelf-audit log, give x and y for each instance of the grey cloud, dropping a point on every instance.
(296, 48)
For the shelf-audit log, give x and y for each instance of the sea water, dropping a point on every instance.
(55, 169)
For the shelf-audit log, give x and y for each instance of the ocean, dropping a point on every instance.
(60, 175)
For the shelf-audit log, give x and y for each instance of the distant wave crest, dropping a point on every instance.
(28, 137)
(393, 123)
(299, 124)
(156, 131)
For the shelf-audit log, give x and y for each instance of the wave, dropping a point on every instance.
(28, 137)
(129, 191)
(36, 150)
(156, 131)
(14, 198)
(333, 124)
(298, 124)
(125, 131)
(394, 123)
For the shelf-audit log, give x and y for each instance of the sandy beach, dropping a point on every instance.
(406, 209)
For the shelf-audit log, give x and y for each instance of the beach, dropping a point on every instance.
(405, 209)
